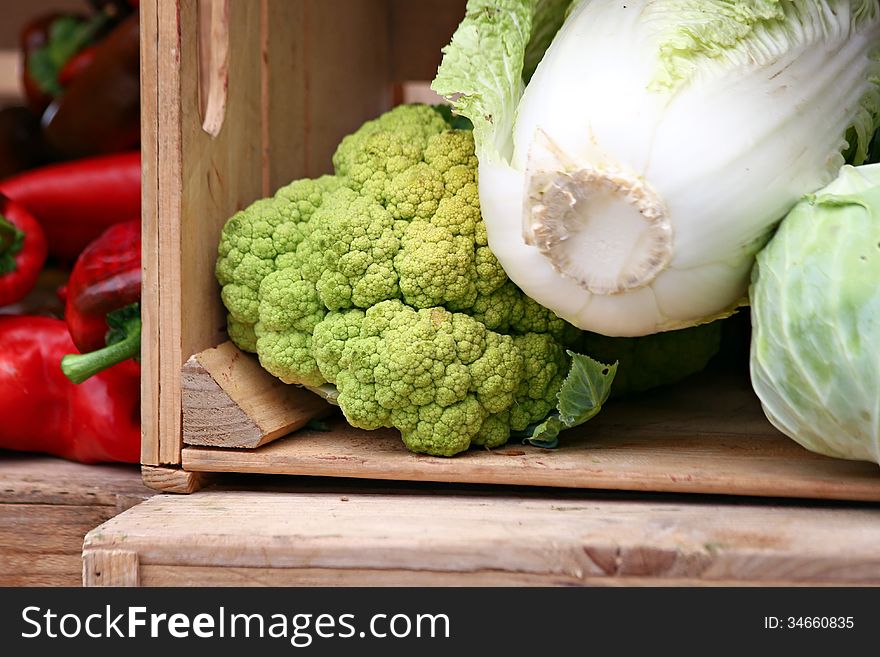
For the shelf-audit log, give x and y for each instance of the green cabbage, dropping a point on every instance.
(815, 355)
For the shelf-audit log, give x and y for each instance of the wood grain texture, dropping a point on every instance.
(43, 480)
(174, 480)
(168, 575)
(203, 180)
(230, 401)
(150, 285)
(47, 506)
(483, 538)
(110, 568)
(167, 327)
(708, 435)
(327, 73)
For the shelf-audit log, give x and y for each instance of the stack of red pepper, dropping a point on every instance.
(71, 387)
(81, 82)
(70, 381)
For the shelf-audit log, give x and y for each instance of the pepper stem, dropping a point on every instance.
(79, 367)
(11, 239)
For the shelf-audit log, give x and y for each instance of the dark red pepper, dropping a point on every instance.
(42, 411)
(22, 251)
(34, 38)
(99, 111)
(76, 201)
(48, 43)
(102, 309)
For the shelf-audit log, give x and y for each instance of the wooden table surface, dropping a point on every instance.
(47, 506)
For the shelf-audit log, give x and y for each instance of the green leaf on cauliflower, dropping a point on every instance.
(583, 393)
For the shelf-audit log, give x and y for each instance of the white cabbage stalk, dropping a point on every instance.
(815, 356)
(630, 184)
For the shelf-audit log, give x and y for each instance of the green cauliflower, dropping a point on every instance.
(402, 236)
(379, 280)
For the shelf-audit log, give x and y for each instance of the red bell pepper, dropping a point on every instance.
(34, 38)
(102, 308)
(22, 251)
(42, 411)
(48, 43)
(76, 201)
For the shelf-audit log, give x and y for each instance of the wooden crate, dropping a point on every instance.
(242, 97)
(260, 97)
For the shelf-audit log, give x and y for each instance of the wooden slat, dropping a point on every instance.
(151, 288)
(489, 538)
(168, 575)
(706, 436)
(230, 401)
(203, 180)
(170, 173)
(40, 544)
(43, 480)
(221, 174)
(47, 506)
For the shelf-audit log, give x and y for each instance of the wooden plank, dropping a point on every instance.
(47, 506)
(45, 569)
(222, 174)
(167, 326)
(174, 480)
(43, 480)
(230, 401)
(151, 288)
(706, 436)
(204, 179)
(168, 575)
(497, 538)
(110, 568)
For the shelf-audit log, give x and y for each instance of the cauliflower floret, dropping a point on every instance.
(434, 375)
(258, 240)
